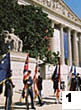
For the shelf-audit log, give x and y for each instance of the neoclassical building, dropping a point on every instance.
(67, 29)
(67, 33)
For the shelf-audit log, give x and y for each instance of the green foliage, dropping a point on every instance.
(3, 45)
(31, 24)
(51, 57)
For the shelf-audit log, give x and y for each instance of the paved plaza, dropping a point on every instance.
(47, 97)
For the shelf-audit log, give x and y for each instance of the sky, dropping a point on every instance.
(75, 6)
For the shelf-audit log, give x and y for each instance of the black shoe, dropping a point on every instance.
(33, 108)
(55, 102)
(41, 104)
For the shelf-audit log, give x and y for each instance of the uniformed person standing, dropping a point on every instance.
(73, 83)
(28, 82)
(8, 93)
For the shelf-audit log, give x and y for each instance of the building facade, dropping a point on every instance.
(67, 26)
(67, 33)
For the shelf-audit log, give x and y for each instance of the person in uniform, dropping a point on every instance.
(28, 82)
(73, 83)
(77, 82)
(39, 84)
(8, 93)
(37, 90)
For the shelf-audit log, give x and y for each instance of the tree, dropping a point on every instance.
(31, 24)
(3, 45)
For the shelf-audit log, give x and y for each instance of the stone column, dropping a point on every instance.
(62, 44)
(75, 49)
(80, 49)
(69, 47)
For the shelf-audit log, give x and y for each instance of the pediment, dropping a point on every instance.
(60, 7)
(66, 11)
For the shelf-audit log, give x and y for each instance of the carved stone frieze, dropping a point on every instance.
(59, 8)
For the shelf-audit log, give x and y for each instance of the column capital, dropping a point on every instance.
(74, 32)
(61, 26)
(79, 34)
(69, 29)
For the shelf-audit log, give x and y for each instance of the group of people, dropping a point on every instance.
(34, 91)
(33, 88)
(75, 84)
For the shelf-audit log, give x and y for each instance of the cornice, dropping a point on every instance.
(68, 8)
(41, 4)
(20, 57)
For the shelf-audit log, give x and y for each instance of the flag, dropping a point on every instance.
(75, 71)
(71, 69)
(70, 72)
(26, 73)
(26, 63)
(69, 77)
(55, 73)
(5, 69)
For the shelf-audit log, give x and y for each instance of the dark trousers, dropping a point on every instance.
(23, 93)
(8, 103)
(55, 91)
(40, 102)
(30, 92)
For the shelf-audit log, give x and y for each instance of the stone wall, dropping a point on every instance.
(46, 71)
(17, 66)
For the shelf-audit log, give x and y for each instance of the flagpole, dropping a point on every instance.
(59, 81)
(9, 48)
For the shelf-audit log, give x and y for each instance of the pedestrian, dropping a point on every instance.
(23, 91)
(55, 79)
(77, 82)
(57, 96)
(62, 88)
(73, 83)
(80, 83)
(56, 88)
(37, 91)
(39, 84)
(8, 94)
(28, 82)
(55, 84)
